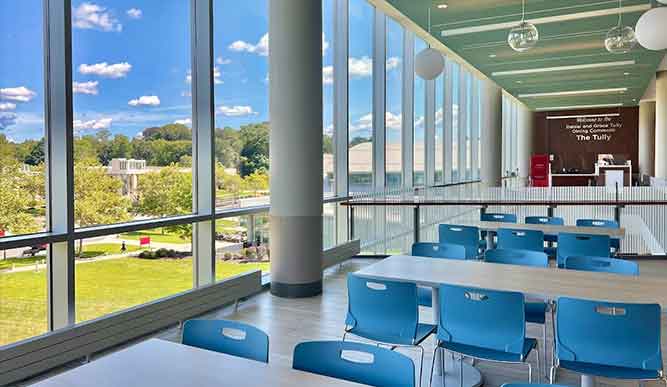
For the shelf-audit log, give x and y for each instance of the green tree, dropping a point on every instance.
(14, 215)
(228, 146)
(359, 140)
(226, 182)
(97, 196)
(255, 150)
(166, 193)
(169, 132)
(327, 144)
(257, 181)
(31, 152)
(119, 147)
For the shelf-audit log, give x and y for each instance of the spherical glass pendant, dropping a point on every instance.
(429, 64)
(620, 40)
(523, 37)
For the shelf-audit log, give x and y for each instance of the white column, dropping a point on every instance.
(295, 102)
(379, 76)
(525, 140)
(647, 138)
(491, 135)
(661, 125)
(340, 119)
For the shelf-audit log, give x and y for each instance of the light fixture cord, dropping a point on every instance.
(429, 19)
(523, 11)
(620, 13)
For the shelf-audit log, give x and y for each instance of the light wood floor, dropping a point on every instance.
(290, 321)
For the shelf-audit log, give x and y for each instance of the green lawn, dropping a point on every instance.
(20, 262)
(156, 236)
(102, 287)
(98, 249)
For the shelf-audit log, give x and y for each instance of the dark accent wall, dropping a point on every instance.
(576, 142)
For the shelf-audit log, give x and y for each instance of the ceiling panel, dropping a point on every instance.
(572, 35)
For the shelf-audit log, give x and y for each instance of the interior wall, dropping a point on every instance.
(578, 136)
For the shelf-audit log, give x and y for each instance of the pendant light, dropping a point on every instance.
(652, 30)
(429, 63)
(524, 36)
(620, 39)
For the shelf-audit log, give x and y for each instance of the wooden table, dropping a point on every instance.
(162, 363)
(548, 283)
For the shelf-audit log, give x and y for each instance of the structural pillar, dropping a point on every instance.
(295, 102)
(647, 138)
(491, 135)
(661, 125)
(525, 141)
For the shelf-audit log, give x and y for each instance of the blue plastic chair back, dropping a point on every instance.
(498, 217)
(483, 318)
(570, 245)
(604, 223)
(439, 250)
(520, 239)
(467, 236)
(517, 257)
(230, 337)
(610, 334)
(552, 220)
(602, 264)
(385, 311)
(355, 362)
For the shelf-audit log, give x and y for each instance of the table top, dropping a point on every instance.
(549, 229)
(165, 364)
(543, 282)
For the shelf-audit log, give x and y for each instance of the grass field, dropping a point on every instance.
(156, 235)
(89, 251)
(102, 287)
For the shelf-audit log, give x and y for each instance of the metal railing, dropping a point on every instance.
(388, 222)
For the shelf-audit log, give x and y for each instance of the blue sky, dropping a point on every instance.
(131, 61)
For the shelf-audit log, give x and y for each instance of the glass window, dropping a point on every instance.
(439, 129)
(468, 128)
(241, 48)
(456, 177)
(328, 144)
(242, 245)
(420, 111)
(120, 271)
(360, 69)
(132, 114)
(394, 104)
(22, 173)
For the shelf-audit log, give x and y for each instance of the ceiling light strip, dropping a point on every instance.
(564, 68)
(575, 92)
(583, 116)
(547, 19)
(607, 105)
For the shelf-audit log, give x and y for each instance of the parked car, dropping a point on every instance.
(34, 250)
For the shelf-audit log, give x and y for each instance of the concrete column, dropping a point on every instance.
(661, 125)
(525, 141)
(295, 102)
(491, 135)
(647, 138)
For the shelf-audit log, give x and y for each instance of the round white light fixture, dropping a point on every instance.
(620, 39)
(525, 35)
(652, 30)
(429, 63)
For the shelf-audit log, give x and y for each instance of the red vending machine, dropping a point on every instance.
(539, 171)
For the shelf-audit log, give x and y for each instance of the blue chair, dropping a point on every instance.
(355, 362)
(484, 324)
(435, 250)
(466, 236)
(494, 217)
(602, 264)
(615, 242)
(385, 312)
(609, 339)
(551, 220)
(520, 239)
(581, 244)
(535, 311)
(531, 385)
(230, 337)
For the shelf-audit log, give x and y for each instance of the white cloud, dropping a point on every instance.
(7, 106)
(186, 93)
(17, 94)
(146, 100)
(185, 121)
(134, 13)
(363, 123)
(327, 75)
(114, 71)
(89, 88)
(102, 123)
(222, 61)
(393, 121)
(363, 67)
(7, 120)
(217, 76)
(393, 63)
(235, 111)
(93, 16)
(262, 47)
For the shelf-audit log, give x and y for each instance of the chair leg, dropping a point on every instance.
(544, 348)
(537, 357)
(460, 370)
(530, 373)
(421, 364)
(344, 334)
(430, 381)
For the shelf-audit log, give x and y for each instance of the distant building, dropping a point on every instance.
(128, 171)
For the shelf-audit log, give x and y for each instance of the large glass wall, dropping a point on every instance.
(328, 144)
(394, 104)
(419, 123)
(456, 129)
(440, 129)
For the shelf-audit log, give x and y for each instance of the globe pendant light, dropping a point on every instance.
(429, 63)
(524, 36)
(620, 39)
(652, 29)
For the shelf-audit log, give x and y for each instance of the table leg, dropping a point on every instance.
(435, 302)
(587, 381)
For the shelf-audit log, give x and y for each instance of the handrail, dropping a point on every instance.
(481, 203)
